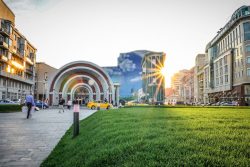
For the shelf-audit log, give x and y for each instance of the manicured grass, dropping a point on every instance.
(158, 137)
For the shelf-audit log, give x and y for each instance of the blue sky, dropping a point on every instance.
(98, 30)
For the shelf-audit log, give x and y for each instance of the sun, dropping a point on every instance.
(163, 71)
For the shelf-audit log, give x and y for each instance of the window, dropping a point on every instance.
(248, 48)
(236, 36)
(248, 72)
(226, 78)
(246, 27)
(10, 42)
(226, 69)
(225, 60)
(248, 59)
(240, 33)
(217, 81)
(221, 80)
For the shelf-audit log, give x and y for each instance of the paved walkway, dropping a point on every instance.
(28, 142)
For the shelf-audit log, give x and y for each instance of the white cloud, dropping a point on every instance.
(127, 65)
(136, 79)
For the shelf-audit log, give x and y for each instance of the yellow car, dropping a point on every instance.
(103, 105)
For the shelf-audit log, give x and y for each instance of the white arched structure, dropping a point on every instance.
(66, 87)
(85, 74)
(91, 93)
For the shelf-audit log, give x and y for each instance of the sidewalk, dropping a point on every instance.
(27, 142)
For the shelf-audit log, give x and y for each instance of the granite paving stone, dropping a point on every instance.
(27, 142)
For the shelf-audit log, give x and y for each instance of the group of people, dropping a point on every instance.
(76, 104)
(29, 103)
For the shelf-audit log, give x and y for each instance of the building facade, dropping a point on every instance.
(44, 75)
(200, 62)
(187, 87)
(153, 82)
(225, 76)
(182, 87)
(128, 72)
(17, 58)
(176, 84)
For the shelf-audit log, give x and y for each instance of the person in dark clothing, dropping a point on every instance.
(61, 104)
(29, 103)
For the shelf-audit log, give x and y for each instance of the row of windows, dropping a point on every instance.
(240, 74)
(230, 41)
(14, 84)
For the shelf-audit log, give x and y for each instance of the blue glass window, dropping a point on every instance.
(248, 48)
(246, 27)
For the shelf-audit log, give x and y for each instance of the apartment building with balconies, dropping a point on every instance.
(225, 77)
(17, 58)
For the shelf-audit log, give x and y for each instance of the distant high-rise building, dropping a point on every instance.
(176, 80)
(200, 63)
(17, 58)
(153, 80)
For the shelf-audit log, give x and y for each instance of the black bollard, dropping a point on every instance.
(76, 124)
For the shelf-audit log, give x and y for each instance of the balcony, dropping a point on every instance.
(3, 58)
(14, 51)
(28, 60)
(17, 65)
(4, 45)
(4, 31)
(16, 77)
(29, 71)
(17, 53)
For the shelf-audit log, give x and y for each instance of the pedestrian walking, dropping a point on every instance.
(69, 104)
(61, 104)
(29, 103)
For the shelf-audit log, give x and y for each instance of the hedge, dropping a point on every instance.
(10, 108)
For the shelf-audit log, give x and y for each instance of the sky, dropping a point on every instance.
(99, 30)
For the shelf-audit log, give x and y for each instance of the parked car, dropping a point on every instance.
(41, 104)
(103, 105)
(18, 101)
(122, 101)
(158, 103)
(228, 104)
(7, 102)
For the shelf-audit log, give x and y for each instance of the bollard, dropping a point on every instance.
(76, 124)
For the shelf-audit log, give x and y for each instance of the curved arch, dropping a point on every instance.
(67, 84)
(73, 71)
(82, 85)
(79, 64)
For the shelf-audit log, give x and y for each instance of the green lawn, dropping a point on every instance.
(158, 137)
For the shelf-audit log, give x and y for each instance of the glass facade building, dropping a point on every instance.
(152, 79)
(228, 61)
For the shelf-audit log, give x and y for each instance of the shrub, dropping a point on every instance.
(10, 108)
